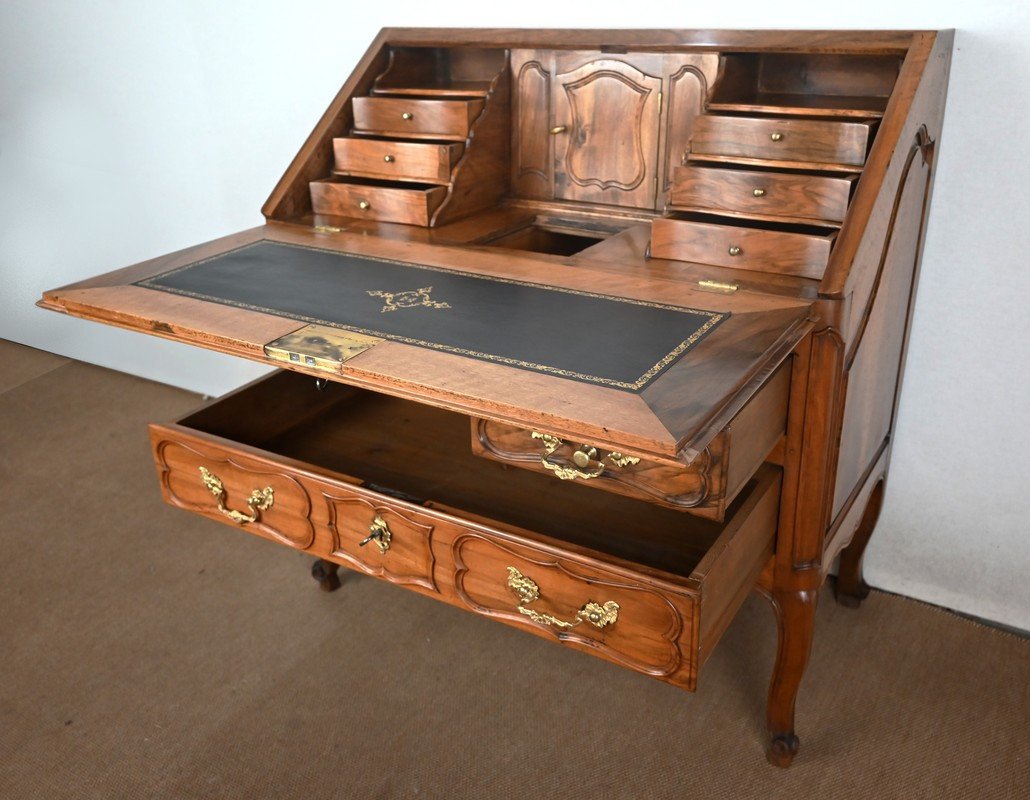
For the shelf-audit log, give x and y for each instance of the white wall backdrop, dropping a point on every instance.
(128, 130)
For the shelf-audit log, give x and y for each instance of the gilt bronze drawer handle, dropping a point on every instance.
(597, 614)
(758, 192)
(378, 532)
(735, 250)
(565, 472)
(582, 458)
(259, 500)
(407, 115)
(388, 159)
(776, 137)
(364, 205)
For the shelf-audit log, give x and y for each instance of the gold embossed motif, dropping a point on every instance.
(420, 297)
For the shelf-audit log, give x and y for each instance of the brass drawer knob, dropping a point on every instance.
(364, 205)
(558, 129)
(597, 614)
(776, 136)
(758, 192)
(259, 500)
(407, 115)
(378, 532)
(735, 250)
(388, 159)
(582, 457)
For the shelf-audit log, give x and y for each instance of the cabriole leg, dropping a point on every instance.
(325, 573)
(850, 589)
(795, 620)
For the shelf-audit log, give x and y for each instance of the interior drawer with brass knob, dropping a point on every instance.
(828, 143)
(408, 203)
(415, 118)
(390, 487)
(761, 194)
(705, 487)
(798, 250)
(429, 162)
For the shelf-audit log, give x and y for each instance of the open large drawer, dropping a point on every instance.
(391, 488)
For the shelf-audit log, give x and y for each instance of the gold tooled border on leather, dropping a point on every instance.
(714, 317)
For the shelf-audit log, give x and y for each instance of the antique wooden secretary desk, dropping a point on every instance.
(590, 332)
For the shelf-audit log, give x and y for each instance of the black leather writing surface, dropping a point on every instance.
(589, 337)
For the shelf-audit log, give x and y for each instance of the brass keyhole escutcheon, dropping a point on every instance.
(407, 115)
(584, 455)
(735, 250)
(776, 136)
(364, 205)
(758, 192)
(388, 159)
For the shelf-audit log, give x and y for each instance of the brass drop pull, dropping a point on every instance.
(776, 136)
(407, 115)
(259, 500)
(558, 129)
(364, 205)
(525, 588)
(735, 250)
(378, 532)
(388, 159)
(758, 192)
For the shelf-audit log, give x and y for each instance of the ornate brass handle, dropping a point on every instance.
(582, 458)
(259, 500)
(378, 532)
(597, 614)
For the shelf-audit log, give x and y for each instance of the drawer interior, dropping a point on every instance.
(422, 454)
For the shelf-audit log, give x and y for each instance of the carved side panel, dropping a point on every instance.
(645, 637)
(399, 552)
(607, 151)
(532, 156)
(686, 92)
(287, 520)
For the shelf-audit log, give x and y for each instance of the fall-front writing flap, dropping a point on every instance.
(574, 353)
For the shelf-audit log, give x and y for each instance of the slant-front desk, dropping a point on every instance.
(589, 332)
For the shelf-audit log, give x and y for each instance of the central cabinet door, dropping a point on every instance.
(606, 123)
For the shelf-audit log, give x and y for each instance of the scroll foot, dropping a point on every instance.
(325, 573)
(850, 589)
(782, 749)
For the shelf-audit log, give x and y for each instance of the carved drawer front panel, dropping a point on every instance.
(825, 142)
(705, 487)
(415, 118)
(759, 194)
(622, 618)
(785, 252)
(410, 204)
(429, 162)
(230, 487)
(381, 540)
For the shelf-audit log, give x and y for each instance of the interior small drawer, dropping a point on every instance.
(761, 194)
(415, 118)
(764, 249)
(408, 203)
(828, 142)
(429, 162)
(705, 487)
(390, 488)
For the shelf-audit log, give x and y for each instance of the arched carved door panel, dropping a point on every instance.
(606, 116)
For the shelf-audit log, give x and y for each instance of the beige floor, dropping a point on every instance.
(148, 653)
